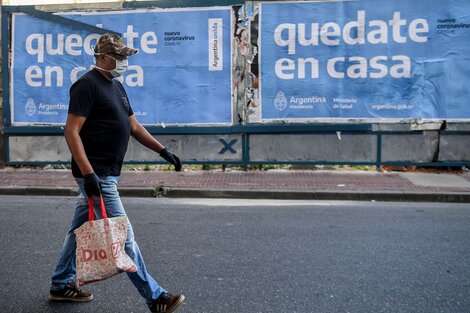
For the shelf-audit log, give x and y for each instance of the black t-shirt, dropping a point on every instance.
(106, 131)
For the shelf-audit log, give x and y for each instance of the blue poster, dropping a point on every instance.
(181, 75)
(365, 60)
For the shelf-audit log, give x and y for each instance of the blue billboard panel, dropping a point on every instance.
(181, 75)
(365, 60)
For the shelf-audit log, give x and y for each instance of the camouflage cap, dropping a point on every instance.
(111, 43)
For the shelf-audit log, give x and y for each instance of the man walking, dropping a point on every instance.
(99, 124)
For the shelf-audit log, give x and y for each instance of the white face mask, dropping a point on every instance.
(121, 67)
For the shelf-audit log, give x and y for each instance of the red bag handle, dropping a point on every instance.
(91, 208)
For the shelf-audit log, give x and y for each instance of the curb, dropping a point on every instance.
(71, 191)
(38, 191)
(140, 192)
(393, 196)
(150, 192)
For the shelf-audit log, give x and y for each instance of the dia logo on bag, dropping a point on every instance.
(88, 254)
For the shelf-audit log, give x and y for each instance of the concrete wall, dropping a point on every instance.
(191, 148)
(328, 148)
(313, 148)
(455, 147)
(409, 148)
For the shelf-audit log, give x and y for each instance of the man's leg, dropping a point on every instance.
(142, 280)
(65, 268)
(63, 287)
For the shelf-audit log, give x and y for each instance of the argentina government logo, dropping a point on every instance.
(280, 102)
(30, 107)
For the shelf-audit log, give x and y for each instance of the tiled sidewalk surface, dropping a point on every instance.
(281, 180)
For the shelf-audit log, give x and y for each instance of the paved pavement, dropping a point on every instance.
(274, 184)
(253, 256)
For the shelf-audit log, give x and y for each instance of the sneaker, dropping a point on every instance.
(166, 303)
(69, 292)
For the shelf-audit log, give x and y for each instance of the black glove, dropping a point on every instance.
(92, 185)
(171, 158)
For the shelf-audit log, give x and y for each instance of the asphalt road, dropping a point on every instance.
(256, 256)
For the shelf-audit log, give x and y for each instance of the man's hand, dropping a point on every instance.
(92, 185)
(171, 158)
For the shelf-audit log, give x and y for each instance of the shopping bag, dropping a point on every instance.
(100, 247)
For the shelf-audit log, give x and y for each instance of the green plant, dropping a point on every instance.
(159, 192)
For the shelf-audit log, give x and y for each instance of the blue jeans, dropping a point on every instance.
(65, 269)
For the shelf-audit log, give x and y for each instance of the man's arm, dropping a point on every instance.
(72, 136)
(143, 136)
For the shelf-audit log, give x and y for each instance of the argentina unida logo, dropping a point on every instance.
(280, 102)
(30, 107)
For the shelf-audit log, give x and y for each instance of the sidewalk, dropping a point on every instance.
(276, 184)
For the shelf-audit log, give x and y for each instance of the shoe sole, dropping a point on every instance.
(176, 306)
(57, 298)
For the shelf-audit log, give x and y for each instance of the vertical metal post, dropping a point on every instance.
(379, 153)
(246, 150)
(3, 81)
(5, 66)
